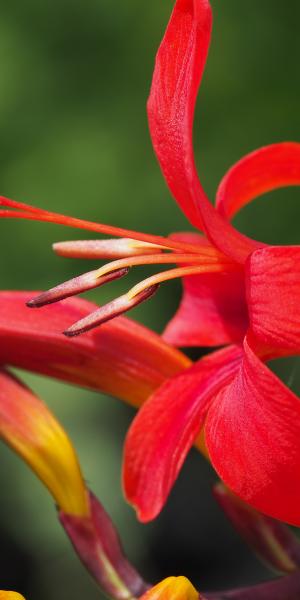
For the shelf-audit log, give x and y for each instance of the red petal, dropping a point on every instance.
(122, 358)
(177, 75)
(213, 308)
(261, 171)
(273, 292)
(253, 438)
(165, 428)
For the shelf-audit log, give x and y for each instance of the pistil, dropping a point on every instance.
(26, 211)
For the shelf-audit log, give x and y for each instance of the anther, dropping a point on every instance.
(109, 311)
(83, 283)
(110, 248)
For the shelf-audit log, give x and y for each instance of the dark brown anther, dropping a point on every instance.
(109, 311)
(83, 283)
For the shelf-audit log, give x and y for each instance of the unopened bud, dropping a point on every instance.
(31, 430)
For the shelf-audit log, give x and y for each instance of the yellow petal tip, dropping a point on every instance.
(172, 588)
(10, 595)
(27, 425)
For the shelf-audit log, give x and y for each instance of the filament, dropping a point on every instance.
(176, 273)
(209, 256)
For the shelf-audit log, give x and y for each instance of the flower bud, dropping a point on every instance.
(31, 430)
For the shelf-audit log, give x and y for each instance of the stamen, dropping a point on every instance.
(140, 292)
(87, 281)
(98, 249)
(209, 256)
(109, 311)
(180, 272)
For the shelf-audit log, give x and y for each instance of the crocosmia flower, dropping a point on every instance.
(237, 292)
(250, 419)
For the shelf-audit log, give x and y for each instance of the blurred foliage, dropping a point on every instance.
(74, 79)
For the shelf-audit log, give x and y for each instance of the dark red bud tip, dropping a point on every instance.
(83, 283)
(109, 311)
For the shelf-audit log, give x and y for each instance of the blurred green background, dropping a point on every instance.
(74, 78)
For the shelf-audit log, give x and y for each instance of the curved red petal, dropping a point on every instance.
(165, 428)
(213, 308)
(273, 293)
(177, 75)
(121, 358)
(253, 439)
(264, 170)
(179, 66)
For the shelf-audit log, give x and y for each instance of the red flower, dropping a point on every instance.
(251, 421)
(245, 292)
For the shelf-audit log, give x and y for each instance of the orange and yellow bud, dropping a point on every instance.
(172, 588)
(10, 595)
(28, 426)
